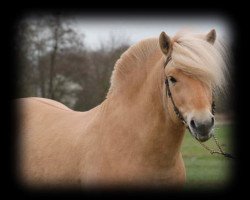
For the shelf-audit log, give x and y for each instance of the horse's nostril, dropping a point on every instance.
(192, 124)
(202, 127)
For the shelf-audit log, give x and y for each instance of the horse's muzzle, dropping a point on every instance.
(202, 130)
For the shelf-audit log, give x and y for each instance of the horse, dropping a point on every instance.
(159, 87)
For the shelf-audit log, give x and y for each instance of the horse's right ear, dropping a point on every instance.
(165, 43)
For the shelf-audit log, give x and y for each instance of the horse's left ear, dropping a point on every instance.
(211, 36)
(165, 43)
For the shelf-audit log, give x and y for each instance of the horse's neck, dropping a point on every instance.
(147, 116)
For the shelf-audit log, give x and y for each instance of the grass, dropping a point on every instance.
(204, 170)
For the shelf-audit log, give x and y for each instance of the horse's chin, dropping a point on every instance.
(202, 137)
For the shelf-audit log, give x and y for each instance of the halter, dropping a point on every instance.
(176, 110)
(180, 116)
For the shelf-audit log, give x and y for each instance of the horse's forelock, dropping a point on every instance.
(197, 57)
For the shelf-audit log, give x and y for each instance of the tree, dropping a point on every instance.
(43, 41)
(59, 67)
(96, 80)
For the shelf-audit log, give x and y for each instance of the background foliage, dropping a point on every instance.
(54, 63)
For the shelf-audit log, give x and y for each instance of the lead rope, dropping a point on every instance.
(214, 151)
(180, 116)
(216, 142)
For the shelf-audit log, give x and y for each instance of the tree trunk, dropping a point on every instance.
(42, 79)
(52, 61)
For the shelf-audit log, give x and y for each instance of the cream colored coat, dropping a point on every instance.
(132, 139)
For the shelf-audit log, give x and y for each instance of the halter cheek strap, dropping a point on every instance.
(176, 110)
(167, 61)
(169, 94)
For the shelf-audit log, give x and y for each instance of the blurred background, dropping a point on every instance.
(70, 59)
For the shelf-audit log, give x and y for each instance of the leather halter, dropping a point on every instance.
(180, 116)
(169, 94)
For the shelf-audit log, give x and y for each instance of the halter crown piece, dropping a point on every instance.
(180, 116)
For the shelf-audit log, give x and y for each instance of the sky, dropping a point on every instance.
(98, 29)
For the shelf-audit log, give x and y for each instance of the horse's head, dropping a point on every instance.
(193, 99)
(187, 90)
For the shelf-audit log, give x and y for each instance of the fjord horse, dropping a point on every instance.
(133, 138)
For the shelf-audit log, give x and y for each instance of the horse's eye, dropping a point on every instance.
(172, 79)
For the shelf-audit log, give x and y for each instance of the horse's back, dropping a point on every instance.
(35, 114)
(49, 133)
(49, 102)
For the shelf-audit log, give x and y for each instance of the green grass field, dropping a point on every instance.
(204, 170)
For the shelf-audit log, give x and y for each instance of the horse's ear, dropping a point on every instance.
(165, 43)
(211, 36)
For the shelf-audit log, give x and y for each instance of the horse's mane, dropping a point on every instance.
(191, 53)
(132, 58)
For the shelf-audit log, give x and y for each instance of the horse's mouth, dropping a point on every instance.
(202, 137)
